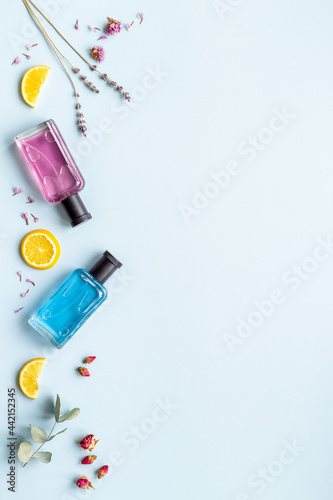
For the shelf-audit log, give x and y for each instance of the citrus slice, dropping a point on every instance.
(40, 249)
(28, 378)
(32, 82)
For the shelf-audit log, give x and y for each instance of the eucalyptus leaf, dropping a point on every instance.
(57, 409)
(43, 456)
(70, 415)
(54, 435)
(25, 451)
(38, 435)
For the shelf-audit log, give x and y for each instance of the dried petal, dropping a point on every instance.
(84, 371)
(103, 37)
(93, 28)
(128, 26)
(30, 200)
(141, 16)
(17, 60)
(29, 281)
(20, 274)
(89, 359)
(29, 47)
(17, 191)
(77, 27)
(25, 293)
(18, 310)
(26, 55)
(36, 219)
(25, 217)
(103, 471)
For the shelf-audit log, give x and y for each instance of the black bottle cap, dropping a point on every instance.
(76, 210)
(106, 266)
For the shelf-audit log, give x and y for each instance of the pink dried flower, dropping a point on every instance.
(113, 26)
(129, 26)
(84, 372)
(103, 471)
(18, 310)
(89, 359)
(98, 53)
(25, 293)
(88, 442)
(36, 219)
(29, 47)
(17, 191)
(77, 27)
(26, 55)
(84, 483)
(89, 459)
(103, 37)
(141, 16)
(31, 200)
(93, 28)
(25, 217)
(17, 60)
(20, 274)
(29, 281)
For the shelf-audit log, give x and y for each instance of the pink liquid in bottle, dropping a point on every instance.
(53, 168)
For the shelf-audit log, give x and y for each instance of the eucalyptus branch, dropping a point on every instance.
(26, 451)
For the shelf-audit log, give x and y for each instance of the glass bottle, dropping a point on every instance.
(54, 169)
(59, 318)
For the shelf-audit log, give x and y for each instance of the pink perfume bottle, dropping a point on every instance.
(54, 169)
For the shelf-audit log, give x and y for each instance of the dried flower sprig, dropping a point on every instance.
(26, 218)
(17, 191)
(36, 219)
(26, 451)
(56, 50)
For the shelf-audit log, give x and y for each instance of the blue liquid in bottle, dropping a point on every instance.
(59, 318)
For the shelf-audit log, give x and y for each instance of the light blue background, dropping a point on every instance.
(183, 285)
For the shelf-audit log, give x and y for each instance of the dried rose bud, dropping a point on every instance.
(90, 459)
(84, 483)
(103, 471)
(88, 442)
(89, 359)
(84, 372)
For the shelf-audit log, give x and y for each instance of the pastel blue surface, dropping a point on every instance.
(69, 307)
(213, 371)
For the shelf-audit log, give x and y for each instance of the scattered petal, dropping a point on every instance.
(25, 293)
(141, 16)
(20, 274)
(93, 28)
(25, 217)
(129, 26)
(17, 191)
(77, 27)
(26, 55)
(31, 200)
(29, 47)
(17, 60)
(103, 37)
(29, 281)
(36, 219)
(18, 310)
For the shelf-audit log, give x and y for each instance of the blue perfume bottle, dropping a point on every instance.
(60, 317)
